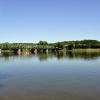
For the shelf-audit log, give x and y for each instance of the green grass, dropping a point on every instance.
(86, 50)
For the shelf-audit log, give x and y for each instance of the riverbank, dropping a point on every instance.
(9, 51)
(81, 50)
(64, 50)
(86, 50)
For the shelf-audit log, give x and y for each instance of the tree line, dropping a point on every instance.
(82, 44)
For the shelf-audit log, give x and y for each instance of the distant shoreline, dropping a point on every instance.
(89, 50)
(44, 46)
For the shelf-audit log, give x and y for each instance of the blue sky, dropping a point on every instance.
(50, 20)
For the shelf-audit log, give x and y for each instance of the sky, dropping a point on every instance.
(49, 20)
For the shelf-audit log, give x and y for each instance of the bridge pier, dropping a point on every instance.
(19, 51)
(64, 51)
(35, 51)
(47, 51)
(25, 51)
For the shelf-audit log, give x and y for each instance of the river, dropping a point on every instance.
(70, 76)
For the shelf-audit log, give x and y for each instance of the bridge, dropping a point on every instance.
(19, 49)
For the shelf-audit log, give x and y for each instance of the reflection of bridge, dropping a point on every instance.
(31, 49)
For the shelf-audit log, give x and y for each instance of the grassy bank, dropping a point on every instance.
(81, 50)
(9, 51)
(64, 50)
(86, 50)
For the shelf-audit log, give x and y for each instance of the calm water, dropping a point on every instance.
(70, 76)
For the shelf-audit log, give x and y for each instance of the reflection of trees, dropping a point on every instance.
(59, 55)
(42, 56)
(83, 55)
(7, 54)
(70, 55)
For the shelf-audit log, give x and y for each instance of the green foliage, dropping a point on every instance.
(59, 45)
(70, 46)
(83, 44)
(42, 43)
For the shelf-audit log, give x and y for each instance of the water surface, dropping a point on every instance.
(70, 76)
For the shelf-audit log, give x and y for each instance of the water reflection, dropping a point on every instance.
(83, 55)
(52, 76)
(70, 55)
(58, 55)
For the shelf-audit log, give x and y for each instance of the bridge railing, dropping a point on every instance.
(24, 46)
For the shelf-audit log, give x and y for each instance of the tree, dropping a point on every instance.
(70, 46)
(42, 43)
(59, 45)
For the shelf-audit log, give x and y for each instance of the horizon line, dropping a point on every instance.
(47, 41)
